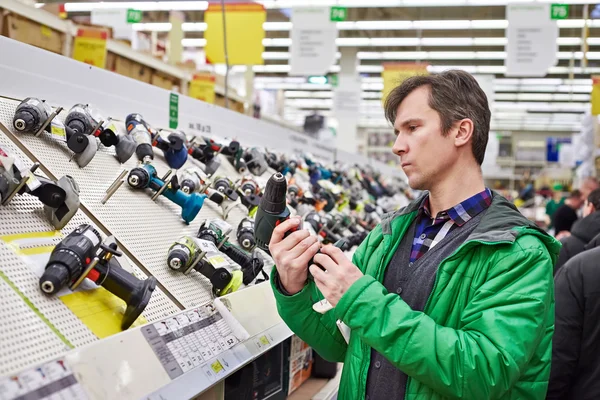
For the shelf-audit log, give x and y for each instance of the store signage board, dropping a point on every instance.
(245, 33)
(313, 41)
(117, 19)
(531, 39)
(202, 87)
(595, 98)
(133, 16)
(89, 46)
(395, 73)
(559, 11)
(338, 14)
(346, 98)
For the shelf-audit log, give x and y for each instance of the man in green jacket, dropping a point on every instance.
(449, 297)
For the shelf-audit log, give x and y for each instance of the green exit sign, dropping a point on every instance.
(338, 14)
(559, 11)
(134, 16)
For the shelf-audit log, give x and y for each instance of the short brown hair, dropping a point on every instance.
(455, 95)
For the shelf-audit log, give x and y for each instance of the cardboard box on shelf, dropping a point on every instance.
(33, 33)
(163, 81)
(301, 361)
(132, 69)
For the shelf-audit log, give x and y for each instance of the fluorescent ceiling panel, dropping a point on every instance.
(138, 5)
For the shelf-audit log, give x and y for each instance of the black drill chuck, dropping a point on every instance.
(30, 114)
(272, 210)
(70, 258)
(245, 234)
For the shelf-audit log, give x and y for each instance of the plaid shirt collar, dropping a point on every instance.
(463, 211)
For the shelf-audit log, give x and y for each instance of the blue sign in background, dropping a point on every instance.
(553, 147)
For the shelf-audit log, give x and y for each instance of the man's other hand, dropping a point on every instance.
(338, 276)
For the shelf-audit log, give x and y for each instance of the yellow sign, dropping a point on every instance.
(395, 73)
(595, 95)
(46, 31)
(89, 46)
(202, 87)
(100, 310)
(245, 33)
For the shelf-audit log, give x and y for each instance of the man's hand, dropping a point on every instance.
(292, 254)
(338, 276)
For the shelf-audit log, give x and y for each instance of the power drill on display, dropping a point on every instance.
(216, 232)
(145, 176)
(207, 154)
(140, 132)
(82, 255)
(84, 119)
(189, 253)
(245, 234)
(35, 116)
(60, 199)
(173, 148)
(250, 195)
(193, 180)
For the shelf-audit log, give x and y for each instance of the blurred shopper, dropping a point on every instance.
(449, 297)
(588, 186)
(554, 203)
(576, 345)
(566, 215)
(582, 232)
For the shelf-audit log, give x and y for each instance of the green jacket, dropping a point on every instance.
(486, 330)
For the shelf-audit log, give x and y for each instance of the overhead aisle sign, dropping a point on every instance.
(245, 33)
(313, 41)
(395, 73)
(532, 33)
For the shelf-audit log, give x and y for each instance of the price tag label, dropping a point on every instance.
(222, 225)
(217, 261)
(263, 339)
(59, 132)
(32, 182)
(217, 367)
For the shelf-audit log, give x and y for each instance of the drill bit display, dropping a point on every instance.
(82, 255)
(35, 116)
(60, 199)
(145, 176)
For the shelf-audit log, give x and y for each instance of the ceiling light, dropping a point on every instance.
(193, 42)
(139, 5)
(398, 3)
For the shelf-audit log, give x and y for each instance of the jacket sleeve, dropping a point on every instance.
(481, 360)
(318, 330)
(568, 328)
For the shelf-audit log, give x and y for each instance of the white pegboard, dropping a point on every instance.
(26, 339)
(24, 215)
(145, 228)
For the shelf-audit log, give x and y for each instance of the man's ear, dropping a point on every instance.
(464, 132)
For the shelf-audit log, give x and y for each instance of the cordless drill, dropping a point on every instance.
(189, 253)
(139, 130)
(34, 115)
(60, 199)
(250, 195)
(82, 118)
(193, 180)
(251, 264)
(145, 176)
(255, 161)
(272, 211)
(82, 255)
(245, 234)
(173, 148)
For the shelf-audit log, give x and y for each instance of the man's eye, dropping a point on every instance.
(412, 128)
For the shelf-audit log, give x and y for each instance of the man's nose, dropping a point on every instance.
(399, 147)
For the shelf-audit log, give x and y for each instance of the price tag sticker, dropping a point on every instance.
(217, 261)
(58, 130)
(32, 182)
(263, 339)
(217, 367)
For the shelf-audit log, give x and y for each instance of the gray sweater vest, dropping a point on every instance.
(414, 283)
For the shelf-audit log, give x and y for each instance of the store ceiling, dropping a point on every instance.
(466, 37)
